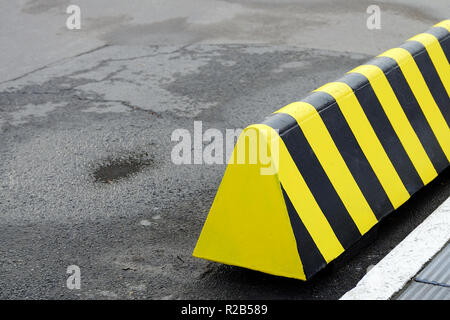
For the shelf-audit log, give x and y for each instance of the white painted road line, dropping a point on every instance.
(406, 259)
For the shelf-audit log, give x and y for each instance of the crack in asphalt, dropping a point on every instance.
(77, 93)
(55, 214)
(54, 63)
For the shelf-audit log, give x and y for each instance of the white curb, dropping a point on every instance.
(406, 259)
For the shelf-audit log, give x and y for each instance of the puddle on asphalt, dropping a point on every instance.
(113, 170)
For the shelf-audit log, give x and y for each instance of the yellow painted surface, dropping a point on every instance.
(249, 226)
(333, 164)
(368, 141)
(399, 121)
(437, 56)
(444, 24)
(423, 96)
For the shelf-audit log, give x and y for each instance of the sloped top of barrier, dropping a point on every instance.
(343, 158)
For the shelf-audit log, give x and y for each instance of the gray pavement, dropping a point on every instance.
(85, 124)
(433, 282)
(33, 32)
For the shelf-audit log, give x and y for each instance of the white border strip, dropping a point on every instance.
(406, 259)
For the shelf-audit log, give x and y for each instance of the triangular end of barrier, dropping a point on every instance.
(248, 225)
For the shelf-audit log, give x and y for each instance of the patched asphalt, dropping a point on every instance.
(86, 118)
(87, 179)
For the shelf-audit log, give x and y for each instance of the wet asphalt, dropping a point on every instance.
(86, 176)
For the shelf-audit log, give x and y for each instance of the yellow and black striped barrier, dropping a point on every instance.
(345, 157)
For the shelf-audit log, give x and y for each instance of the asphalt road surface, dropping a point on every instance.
(86, 118)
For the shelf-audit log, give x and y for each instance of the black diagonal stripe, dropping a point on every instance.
(412, 110)
(352, 153)
(316, 178)
(439, 32)
(432, 79)
(444, 38)
(384, 130)
(312, 259)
